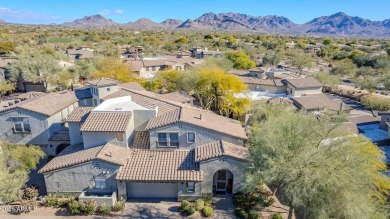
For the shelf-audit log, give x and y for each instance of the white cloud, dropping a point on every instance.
(104, 12)
(119, 11)
(22, 16)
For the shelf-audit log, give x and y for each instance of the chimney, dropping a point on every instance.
(200, 117)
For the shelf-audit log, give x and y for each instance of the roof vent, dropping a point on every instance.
(200, 117)
(119, 108)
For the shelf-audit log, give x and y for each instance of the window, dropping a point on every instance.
(168, 139)
(147, 68)
(95, 102)
(257, 88)
(162, 139)
(100, 182)
(190, 186)
(153, 68)
(21, 125)
(108, 89)
(119, 136)
(191, 137)
(174, 139)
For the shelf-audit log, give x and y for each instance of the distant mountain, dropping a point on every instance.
(3, 21)
(342, 24)
(92, 21)
(171, 23)
(144, 23)
(339, 24)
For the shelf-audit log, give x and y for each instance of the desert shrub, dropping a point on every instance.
(208, 211)
(276, 216)
(119, 206)
(241, 213)
(30, 193)
(185, 205)
(64, 201)
(89, 207)
(51, 200)
(269, 202)
(199, 204)
(250, 199)
(75, 207)
(191, 210)
(208, 199)
(253, 214)
(375, 103)
(104, 209)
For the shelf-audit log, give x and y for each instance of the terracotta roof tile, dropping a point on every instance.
(362, 119)
(319, 101)
(101, 82)
(221, 148)
(79, 114)
(131, 86)
(161, 166)
(254, 80)
(60, 136)
(110, 153)
(304, 82)
(141, 140)
(30, 95)
(178, 97)
(106, 122)
(47, 104)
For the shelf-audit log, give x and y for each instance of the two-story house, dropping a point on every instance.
(39, 120)
(139, 145)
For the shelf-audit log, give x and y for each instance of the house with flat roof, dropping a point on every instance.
(299, 86)
(138, 144)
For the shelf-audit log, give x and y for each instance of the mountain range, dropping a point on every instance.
(339, 24)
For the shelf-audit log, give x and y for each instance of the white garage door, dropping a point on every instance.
(152, 190)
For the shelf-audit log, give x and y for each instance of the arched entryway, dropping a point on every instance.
(223, 182)
(61, 147)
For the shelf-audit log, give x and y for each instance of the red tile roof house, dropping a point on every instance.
(136, 144)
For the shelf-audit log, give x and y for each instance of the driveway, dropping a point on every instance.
(170, 208)
(152, 208)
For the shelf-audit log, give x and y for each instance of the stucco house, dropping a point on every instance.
(39, 120)
(320, 103)
(299, 86)
(136, 144)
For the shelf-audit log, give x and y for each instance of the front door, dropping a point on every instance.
(221, 181)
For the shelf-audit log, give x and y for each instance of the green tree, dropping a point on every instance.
(38, 68)
(327, 79)
(15, 163)
(271, 59)
(240, 60)
(343, 68)
(112, 67)
(327, 42)
(300, 60)
(5, 87)
(168, 80)
(320, 168)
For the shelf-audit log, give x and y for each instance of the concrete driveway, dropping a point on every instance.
(152, 208)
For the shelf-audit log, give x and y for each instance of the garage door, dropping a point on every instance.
(152, 190)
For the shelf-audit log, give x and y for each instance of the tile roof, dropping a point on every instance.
(106, 122)
(83, 93)
(161, 166)
(347, 127)
(79, 114)
(146, 99)
(281, 100)
(254, 80)
(319, 101)
(221, 148)
(110, 153)
(238, 72)
(101, 82)
(304, 82)
(131, 86)
(202, 118)
(363, 119)
(181, 97)
(29, 95)
(60, 136)
(48, 104)
(141, 140)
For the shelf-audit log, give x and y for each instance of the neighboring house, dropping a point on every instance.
(299, 86)
(102, 87)
(133, 53)
(266, 86)
(148, 67)
(83, 52)
(290, 45)
(201, 53)
(320, 103)
(39, 120)
(137, 144)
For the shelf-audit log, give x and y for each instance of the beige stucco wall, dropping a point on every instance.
(299, 92)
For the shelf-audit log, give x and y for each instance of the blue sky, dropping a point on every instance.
(122, 11)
